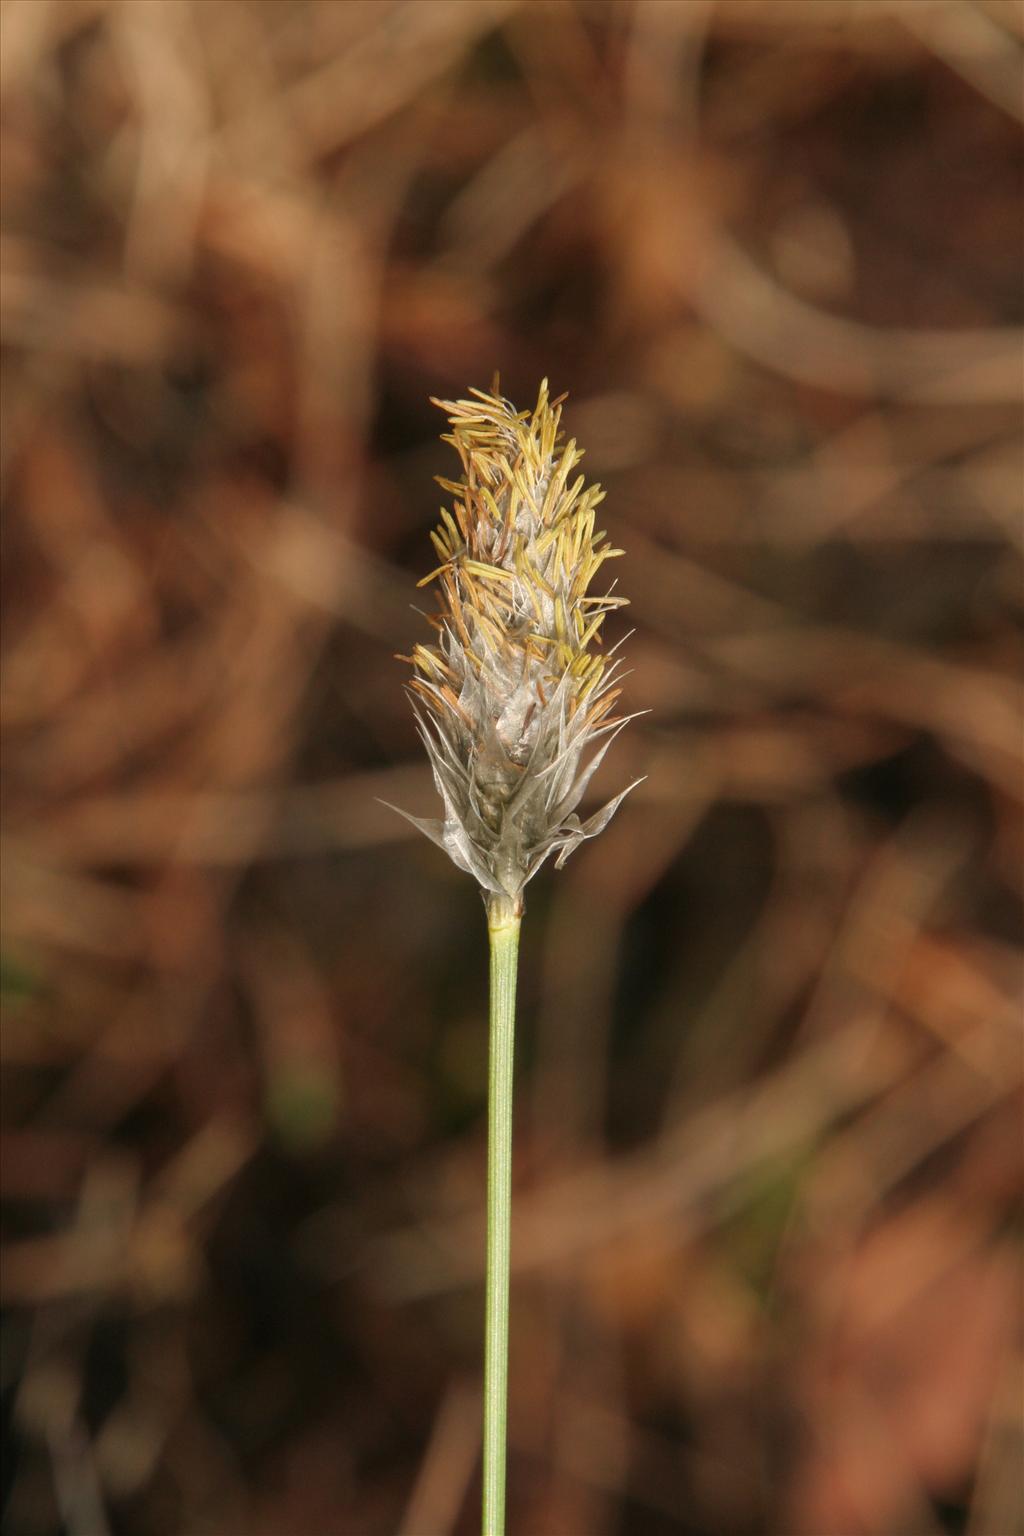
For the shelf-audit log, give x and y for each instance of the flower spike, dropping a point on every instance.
(515, 695)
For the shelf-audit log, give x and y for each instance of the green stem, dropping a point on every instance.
(503, 917)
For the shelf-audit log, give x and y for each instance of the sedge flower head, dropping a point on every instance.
(514, 698)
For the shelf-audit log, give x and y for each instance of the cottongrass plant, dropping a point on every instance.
(514, 702)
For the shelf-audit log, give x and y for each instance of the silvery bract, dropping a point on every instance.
(513, 700)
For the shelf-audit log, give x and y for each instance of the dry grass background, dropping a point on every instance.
(767, 1242)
